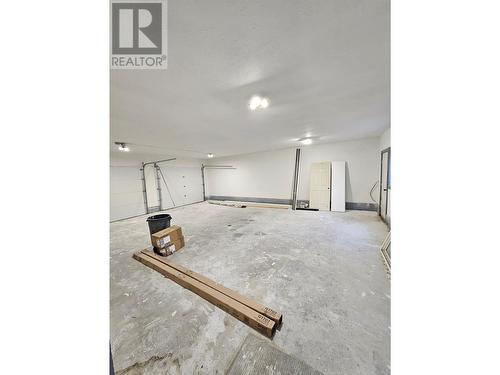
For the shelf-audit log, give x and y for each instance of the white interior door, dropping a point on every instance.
(319, 196)
(384, 185)
(338, 186)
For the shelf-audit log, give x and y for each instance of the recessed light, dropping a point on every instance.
(254, 103)
(210, 155)
(306, 141)
(122, 146)
(258, 103)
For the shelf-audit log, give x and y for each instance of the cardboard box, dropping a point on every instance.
(171, 248)
(175, 246)
(167, 237)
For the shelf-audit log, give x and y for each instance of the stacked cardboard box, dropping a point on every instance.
(168, 241)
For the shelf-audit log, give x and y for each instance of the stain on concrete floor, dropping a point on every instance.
(322, 270)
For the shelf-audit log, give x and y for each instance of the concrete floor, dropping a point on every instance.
(322, 270)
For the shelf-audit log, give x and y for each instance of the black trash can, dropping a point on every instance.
(158, 222)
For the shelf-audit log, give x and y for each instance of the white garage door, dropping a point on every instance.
(185, 185)
(126, 198)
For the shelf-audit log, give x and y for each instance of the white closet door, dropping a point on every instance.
(319, 196)
(338, 186)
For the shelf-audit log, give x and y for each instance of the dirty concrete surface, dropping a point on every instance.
(259, 356)
(321, 270)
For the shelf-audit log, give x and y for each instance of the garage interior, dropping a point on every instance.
(267, 140)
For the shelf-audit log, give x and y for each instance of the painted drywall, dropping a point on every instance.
(262, 175)
(385, 139)
(270, 174)
(126, 198)
(361, 166)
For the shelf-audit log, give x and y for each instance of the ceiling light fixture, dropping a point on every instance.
(210, 155)
(258, 103)
(122, 146)
(306, 141)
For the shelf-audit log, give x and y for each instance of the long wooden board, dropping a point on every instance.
(241, 312)
(222, 203)
(383, 250)
(386, 242)
(242, 204)
(264, 205)
(264, 310)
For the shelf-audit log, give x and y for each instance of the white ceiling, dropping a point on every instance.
(324, 64)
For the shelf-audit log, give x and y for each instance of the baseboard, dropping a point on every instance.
(348, 205)
(361, 206)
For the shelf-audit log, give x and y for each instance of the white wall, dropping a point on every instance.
(261, 175)
(126, 198)
(385, 139)
(361, 157)
(270, 174)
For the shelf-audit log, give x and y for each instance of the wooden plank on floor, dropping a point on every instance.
(241, 312)
(227, 204)
(384, 252)
(241, 204)
(387, 241)
(263, 205)
(260, 308)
